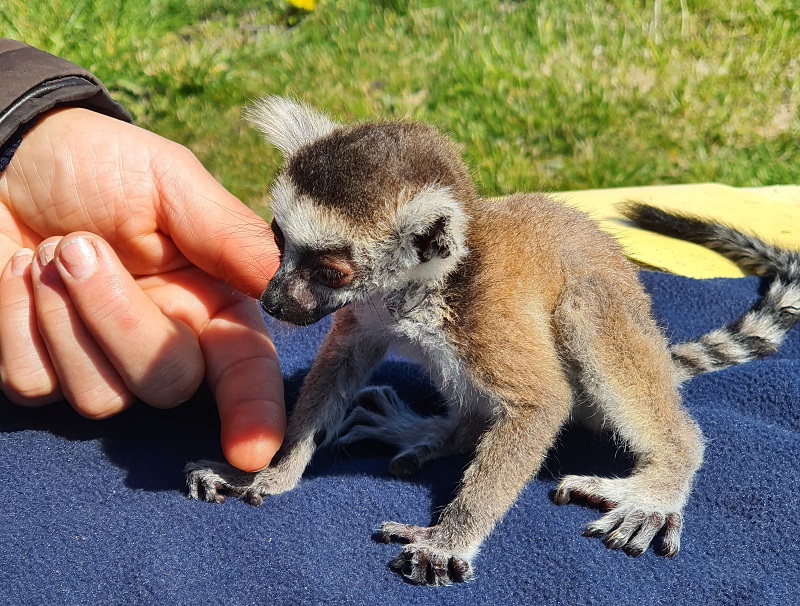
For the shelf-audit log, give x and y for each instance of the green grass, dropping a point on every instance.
(549, 94)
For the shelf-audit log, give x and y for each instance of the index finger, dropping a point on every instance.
(211, 227)
(242, 371)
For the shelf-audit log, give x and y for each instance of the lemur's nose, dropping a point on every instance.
(270, 305)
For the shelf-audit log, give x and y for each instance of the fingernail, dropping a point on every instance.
(79, 258)
(46, 253)
(21, 259)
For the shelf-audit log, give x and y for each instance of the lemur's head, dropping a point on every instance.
(358, 210)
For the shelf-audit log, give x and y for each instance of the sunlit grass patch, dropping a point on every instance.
(541, 95)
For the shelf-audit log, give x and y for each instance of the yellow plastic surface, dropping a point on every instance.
(771, 213)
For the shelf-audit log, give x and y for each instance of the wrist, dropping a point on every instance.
(34, 83)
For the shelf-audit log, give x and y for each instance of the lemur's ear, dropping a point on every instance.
(287, 124)
(432, 224)
(434, 241)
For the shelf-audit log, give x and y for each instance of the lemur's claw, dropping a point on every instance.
(206, 482)
(422, 561)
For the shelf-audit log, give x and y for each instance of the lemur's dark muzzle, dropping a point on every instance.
(283, 307)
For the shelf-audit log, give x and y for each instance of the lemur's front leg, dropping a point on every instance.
(343, 366)
(507, 457)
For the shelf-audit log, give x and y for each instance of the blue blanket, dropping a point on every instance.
(96, 512)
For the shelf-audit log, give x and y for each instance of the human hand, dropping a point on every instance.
(124, 267)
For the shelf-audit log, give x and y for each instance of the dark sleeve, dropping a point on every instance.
(33, 82)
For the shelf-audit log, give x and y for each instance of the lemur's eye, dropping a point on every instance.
(277, 233)
(332, 277)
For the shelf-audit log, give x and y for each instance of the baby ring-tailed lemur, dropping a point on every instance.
(522, 311)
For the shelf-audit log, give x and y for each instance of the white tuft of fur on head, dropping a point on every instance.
(288, 125)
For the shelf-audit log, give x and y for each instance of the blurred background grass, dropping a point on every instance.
(549, 94)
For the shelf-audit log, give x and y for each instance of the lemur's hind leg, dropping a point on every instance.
(625, 367)
(380, 414)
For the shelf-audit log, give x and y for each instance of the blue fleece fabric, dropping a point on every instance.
(96, 512)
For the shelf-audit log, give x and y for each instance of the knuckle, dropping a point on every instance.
(26, 386)
(170, 165)
(182, 152)
(100, 403)
(30, 397)
(119, 311)
(172, 381)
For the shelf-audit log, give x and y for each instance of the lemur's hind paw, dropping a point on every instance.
(378, 414)
(422, 561)
(632, 522)
(632, 530)
(213, 482)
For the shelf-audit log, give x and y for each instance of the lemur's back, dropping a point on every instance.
(517, 270)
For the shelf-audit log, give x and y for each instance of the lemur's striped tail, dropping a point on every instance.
(761, 330)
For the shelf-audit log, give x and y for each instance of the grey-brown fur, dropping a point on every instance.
(524, 314)
(339, 170)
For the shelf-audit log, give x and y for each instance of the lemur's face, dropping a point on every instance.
(311, 282)
(359, 211)
(328, 261)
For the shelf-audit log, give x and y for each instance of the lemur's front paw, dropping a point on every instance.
(213, 482)
(632, 521)
(422, 561)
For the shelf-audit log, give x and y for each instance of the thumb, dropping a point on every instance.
(211, 227)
